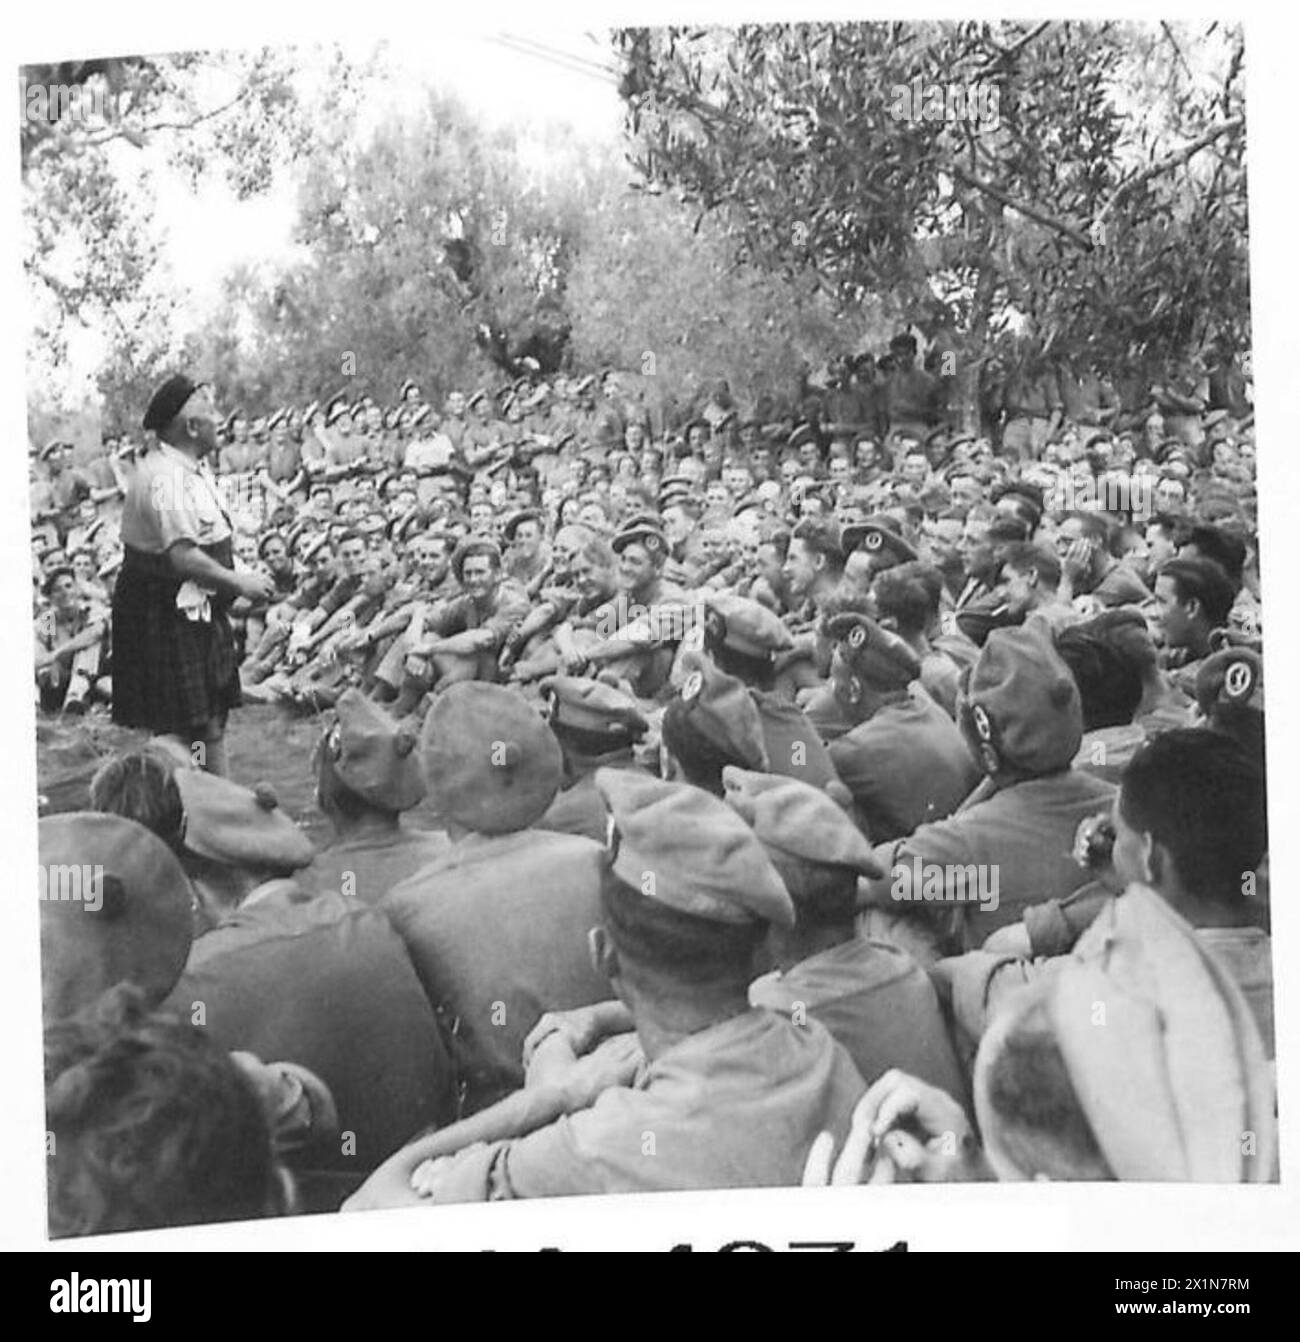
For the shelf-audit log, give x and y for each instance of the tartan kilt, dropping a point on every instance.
(171, 675)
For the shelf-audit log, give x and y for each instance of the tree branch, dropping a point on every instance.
(1029, 211)
(1012, 51)
(1167, 164)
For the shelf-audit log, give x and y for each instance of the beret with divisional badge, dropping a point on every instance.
(1232, 676)
(1022, 703)
(651, 537)
(593, 706)
(874, 534)
(745, 626)
(373, 756)
(721, 708)
(704, 860)
(877, 655)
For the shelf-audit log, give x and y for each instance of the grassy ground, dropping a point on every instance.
(265, 742)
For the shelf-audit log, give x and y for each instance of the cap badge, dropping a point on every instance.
(1238, 680)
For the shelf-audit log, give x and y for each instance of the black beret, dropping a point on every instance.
(168, 401)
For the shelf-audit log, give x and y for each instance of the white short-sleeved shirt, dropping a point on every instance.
(172, 498)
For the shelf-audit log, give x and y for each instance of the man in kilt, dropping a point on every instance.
(174, 664)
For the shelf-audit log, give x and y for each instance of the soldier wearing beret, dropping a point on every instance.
(1022, 719)
(496, 925)
(1164, 1096)
(174, 666)
(367, 776)
(529, 555)
(879, 538)
(745, 639)
(321, 980)
(57, 496)
(872, 997)
(136, 927)
(728, 1095)
(904, 760)
(1230, 697)
(711, 722)
(462, 639)
(647, 614)
(598, 727)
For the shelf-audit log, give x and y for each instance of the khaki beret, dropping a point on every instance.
(474, 545)
(115, 907)
(1232, 676)
(238, 826)
(372, 755)
(491, 762)
(1022, 704)
(514, 522)
(875, 534)
(593, 706)
(651, 537)
(792, 817)
(745, 626)
(721, 708)
(683, 847)
(874, 654)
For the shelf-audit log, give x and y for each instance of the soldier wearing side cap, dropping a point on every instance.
(322, 980)
(367, 776)
(598, 727)
(496, 926)
(730, 1095)
(744, 639)
(1022, 719)
(904, 760)
(872, 997)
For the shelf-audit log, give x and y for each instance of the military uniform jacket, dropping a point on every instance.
(878, 1003)
(497, 929)
(374, 864)
(736, 1105)
(1023, 832)
(793, 745)
(579, 808)
(325, 982)
(905, 765)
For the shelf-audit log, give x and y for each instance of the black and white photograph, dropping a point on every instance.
(638, 606)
